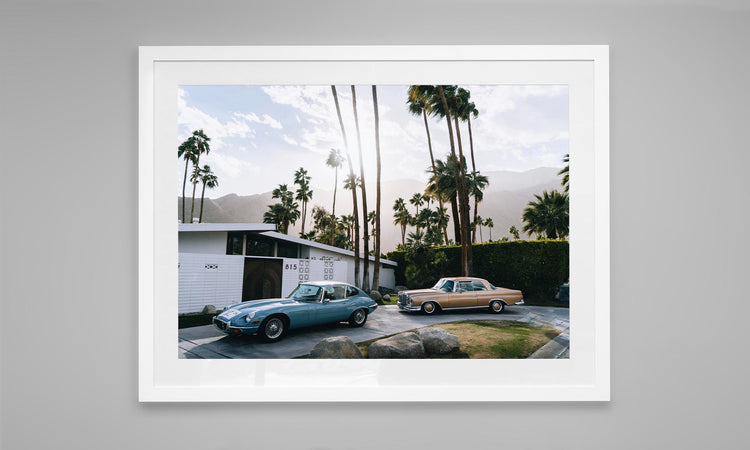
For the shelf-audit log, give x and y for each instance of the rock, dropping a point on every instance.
(437, 341)
(403, 345)
(386, 298)
(337, 347)
(375, 295)
(209, 309)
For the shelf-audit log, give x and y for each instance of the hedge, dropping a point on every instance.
(535, 267)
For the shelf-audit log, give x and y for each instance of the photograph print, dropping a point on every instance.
(388, 221)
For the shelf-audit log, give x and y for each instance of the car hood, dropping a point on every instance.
(415, 292)
(261, 305)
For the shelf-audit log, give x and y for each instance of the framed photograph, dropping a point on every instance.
(376, 223)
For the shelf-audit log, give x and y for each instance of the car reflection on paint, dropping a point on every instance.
(311, 303)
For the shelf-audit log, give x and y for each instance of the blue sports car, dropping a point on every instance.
(311, 303)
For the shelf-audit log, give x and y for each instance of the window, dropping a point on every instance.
(286, 249)
(234, 243)
(258, 245)
(335, 292)
(447, 286)
(351, 292)
(465, 285)
(478, 286)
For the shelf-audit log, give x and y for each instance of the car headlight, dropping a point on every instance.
(249, 317)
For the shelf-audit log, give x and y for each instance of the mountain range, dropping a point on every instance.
(504, 200)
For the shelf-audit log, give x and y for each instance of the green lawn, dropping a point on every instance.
(490, 339)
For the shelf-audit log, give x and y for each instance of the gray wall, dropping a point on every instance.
(679, 105)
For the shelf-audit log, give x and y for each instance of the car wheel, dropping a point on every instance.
(430, 308)
(496, 306)
(358, 318)
(272, 329)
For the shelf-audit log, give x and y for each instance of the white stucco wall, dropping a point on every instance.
(214, 242)
(209, 280)
(387, 274)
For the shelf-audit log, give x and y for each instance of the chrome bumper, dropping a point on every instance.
(228, 328)
(409, 308)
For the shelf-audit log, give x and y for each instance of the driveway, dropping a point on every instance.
(207, 342)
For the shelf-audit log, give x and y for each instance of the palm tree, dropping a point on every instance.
(354, 190)
(420, 104)
(347, 221)
(443, 185)
(334, 160)
(478, 222)
(443, 108)
(201, 145)
(285, 212)
(366, 229)
(417, 200)
(565, 172)
(401, 217)
(476, 183)
(548, 215)
(514, 232)
(304, 193)
(371, 219)
(188, 151)
(209, 181)
(376, 270)
(489, 223)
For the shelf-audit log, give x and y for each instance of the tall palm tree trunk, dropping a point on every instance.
(456, 219)
(184, 182)
(459, 186)
(354, 187)
(376, 270)
(192, 205)
(203, 193)
(333, 208)
(474, 169)
(464, 200)
(434, 170)
(366, 226)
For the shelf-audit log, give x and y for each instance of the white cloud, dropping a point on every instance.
(289, 140)
(266, 120)
(193, 118)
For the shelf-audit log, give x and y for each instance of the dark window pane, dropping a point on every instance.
(234, 243)
(258, 245)
(478, 286)
(286, 249)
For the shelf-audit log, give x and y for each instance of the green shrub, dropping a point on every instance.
(535, 267)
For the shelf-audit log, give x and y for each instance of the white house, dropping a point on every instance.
(222, 264)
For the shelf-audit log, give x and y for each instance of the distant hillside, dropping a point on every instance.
(504, 200)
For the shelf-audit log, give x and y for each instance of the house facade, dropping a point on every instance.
(223, 264)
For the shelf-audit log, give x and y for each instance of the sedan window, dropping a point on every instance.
(465, 285)
(447, 286)
(478, 286)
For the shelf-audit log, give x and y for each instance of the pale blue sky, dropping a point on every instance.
(261, 134)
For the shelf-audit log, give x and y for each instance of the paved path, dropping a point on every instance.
(207, 342)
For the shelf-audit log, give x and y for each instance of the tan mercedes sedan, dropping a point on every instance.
(459, 293)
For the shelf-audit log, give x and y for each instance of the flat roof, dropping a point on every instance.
(226, 227)
(330, 248)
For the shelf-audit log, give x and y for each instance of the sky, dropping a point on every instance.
(261, 134)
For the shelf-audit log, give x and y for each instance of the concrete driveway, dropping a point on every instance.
(207, 342)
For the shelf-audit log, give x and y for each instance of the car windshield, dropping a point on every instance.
(306, 293)
(444, 285)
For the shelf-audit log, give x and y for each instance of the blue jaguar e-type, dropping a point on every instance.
(311, 303)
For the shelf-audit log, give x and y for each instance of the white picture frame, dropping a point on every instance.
(585, 376)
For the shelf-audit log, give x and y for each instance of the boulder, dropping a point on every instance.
(375, 295)
(337, 347)
(386, 298)
(403, 345)
(437, 341)
(209, 309)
